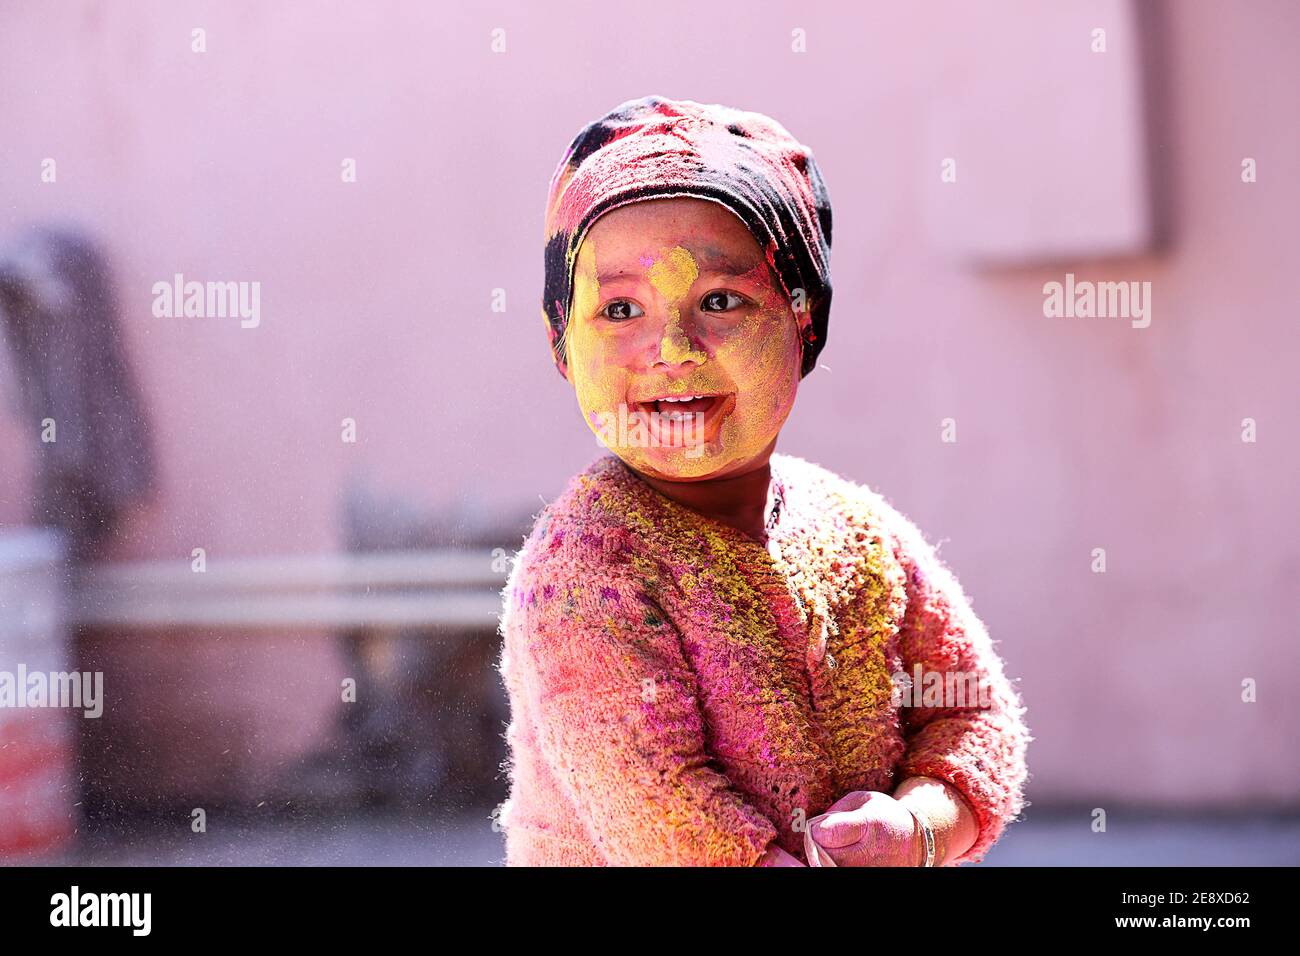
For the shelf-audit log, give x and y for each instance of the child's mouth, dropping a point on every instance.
(675, 408)
(690, 421)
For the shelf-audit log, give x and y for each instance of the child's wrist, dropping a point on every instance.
(941, 806)
(924, 837)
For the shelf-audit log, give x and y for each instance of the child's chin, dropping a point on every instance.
(678, 464)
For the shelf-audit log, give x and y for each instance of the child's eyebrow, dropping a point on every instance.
(731, 269)
(716, 261)
(711, 265)
(603, 277)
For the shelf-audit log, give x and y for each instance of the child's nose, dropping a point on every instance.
(676, 345)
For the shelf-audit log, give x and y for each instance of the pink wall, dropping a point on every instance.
(1072, 434)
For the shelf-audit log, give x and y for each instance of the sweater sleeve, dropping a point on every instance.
(616, 709)
(978, 748)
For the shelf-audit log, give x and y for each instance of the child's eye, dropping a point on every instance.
(620, 310)
(721, 301)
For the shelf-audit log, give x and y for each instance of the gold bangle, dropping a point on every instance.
(928, 832)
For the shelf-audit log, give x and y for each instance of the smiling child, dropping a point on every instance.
(704, 640)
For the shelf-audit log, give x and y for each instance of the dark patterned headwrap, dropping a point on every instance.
(655, 148)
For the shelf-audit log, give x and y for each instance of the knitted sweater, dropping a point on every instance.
(682, 694)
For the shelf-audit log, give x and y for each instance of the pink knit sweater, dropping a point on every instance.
(684, 695)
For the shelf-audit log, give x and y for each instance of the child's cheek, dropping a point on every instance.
(763, 358)
(598, 380)
(591, 353)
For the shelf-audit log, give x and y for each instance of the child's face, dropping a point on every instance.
(673, 298)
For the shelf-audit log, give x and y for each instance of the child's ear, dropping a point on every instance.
(562, 354)
(559, 347)
(562, 357)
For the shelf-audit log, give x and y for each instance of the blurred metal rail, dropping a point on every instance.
(443, 587)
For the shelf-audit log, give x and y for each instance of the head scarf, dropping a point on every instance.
(656, 147)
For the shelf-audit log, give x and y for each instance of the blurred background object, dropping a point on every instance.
(61, 322)
(37, 766)
(354, 472)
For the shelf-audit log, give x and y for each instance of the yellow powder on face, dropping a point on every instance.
(592, 366)
(586, 288)
(763, 358)
(758, 360)
(673, 275)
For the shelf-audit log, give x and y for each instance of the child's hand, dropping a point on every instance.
(868, 828)
(775, 856)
